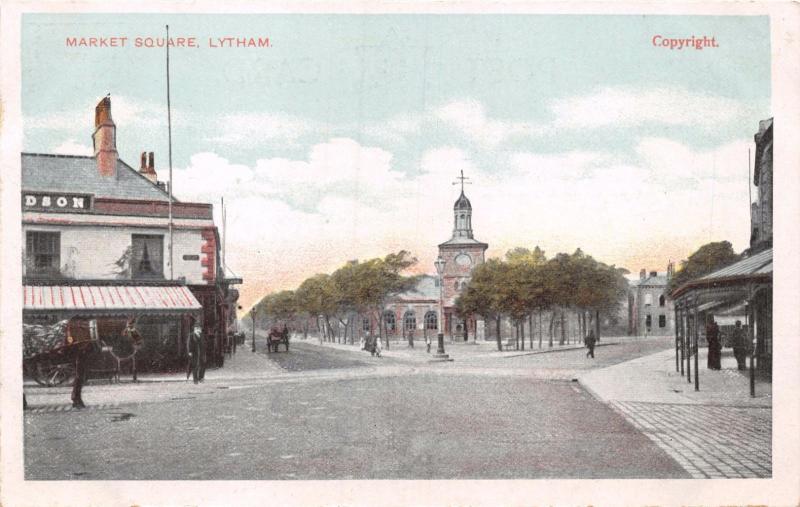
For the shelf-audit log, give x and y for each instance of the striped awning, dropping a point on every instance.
(109, 299)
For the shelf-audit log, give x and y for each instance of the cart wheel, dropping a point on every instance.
(51, 375)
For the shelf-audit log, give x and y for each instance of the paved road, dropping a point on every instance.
(403, 427)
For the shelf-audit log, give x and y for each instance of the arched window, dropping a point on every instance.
(389, 321)
(662, 300)
(648, 299)
(365, 324)
(430, 320)
(410, 321)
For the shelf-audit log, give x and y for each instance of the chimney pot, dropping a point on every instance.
(151, 163)
(144, 161)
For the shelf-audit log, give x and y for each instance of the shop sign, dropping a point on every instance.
(38, 201)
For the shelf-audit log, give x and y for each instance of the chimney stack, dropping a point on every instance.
(670, 270)
(654, 274)
(642, 274)
(104, 138)
(148, 169)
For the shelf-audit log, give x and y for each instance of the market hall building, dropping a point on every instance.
(96, 237)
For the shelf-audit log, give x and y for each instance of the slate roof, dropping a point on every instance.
(425, 289)
(658, 280)
(758, 264)
(78, 174)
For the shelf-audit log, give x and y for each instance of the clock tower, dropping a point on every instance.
(461, 253)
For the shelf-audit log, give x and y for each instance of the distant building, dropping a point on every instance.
(416, 312)
(650, 310)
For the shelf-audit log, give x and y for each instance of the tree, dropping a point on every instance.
(707, 259)
(484, 295)
(316, 297)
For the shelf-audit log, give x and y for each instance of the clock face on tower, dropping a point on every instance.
(463, 260)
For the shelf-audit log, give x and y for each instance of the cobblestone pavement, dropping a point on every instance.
(707, 441)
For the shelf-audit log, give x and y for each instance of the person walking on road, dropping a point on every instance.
(428, 344)
(740, 347)
(378, 346)
(590, 341)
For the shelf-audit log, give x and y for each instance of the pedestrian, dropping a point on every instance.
(196, 349)
(590, 341)
(378, 347)
(361, 344)
(428, 343)
(81, 358)
(740, 346)
(714, 345)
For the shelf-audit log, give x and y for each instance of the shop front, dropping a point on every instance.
(141, 327)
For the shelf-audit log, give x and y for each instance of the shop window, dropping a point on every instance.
(42, 253)
(410, 321)
(662, 300)
(147, 256)
(431, 320)
(662, 320)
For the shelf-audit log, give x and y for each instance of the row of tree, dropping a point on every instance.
(526, 284)
(523, 286)
(332, 302)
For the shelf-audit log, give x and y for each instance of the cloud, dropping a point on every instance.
(470, 118)
(253, 129)
(72, 147)
(629, 107)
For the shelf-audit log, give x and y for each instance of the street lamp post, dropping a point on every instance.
(440, 354)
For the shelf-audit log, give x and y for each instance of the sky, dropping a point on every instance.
(342, 139)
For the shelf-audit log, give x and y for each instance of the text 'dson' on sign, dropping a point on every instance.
(51, 202)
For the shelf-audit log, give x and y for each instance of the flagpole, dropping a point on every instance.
(169, 141)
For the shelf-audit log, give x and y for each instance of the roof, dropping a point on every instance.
(426, 288)
(78, 174)
(463, 241)
(462, 202)
(757, 267)
(658, 280)
(121, 299)
(760, 263)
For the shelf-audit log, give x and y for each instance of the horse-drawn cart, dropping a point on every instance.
(50, 351)
(277, 337)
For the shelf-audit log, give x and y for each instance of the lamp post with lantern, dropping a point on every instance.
(440, 355)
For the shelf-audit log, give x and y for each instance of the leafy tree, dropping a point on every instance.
(707, 259)
(483, 295)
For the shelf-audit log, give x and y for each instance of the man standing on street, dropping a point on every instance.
(739, 346)
(196, 348)
(590, 342)
(714, 346)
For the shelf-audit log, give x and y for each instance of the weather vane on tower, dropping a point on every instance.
(463, 181)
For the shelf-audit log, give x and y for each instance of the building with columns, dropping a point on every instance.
(415, 313)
